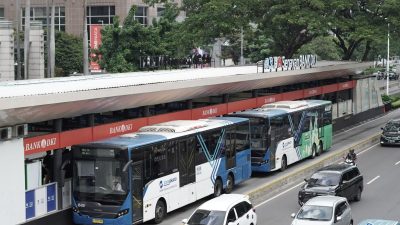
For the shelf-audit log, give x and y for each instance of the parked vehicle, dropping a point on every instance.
(379, 222)
(340, 180)
(324, 210)
(229, 209)
(391, 133)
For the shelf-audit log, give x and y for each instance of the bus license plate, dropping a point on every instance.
(97, 221)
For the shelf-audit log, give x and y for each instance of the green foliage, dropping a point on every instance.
(395, 104)
(323, 47)
(122, 47)
(290, 24)
(69, 54)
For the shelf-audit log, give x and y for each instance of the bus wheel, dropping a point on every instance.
(283, 163)
(218, 187)
(160, 212)
(229, 184)
(313, 151)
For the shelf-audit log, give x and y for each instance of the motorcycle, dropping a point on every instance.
(349, 161)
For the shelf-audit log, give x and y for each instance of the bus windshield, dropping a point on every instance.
(259, 134)
(100, 180)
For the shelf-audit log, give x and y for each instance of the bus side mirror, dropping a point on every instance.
(126, 166)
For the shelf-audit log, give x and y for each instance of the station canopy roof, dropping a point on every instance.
(30, 101)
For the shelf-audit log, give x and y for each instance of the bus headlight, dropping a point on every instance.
(121, 213)
(75, 210)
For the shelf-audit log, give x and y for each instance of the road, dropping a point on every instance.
(380, 167)
(341, 140)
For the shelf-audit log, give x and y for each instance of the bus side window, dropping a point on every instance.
(147, 164)
(242, 137)
(230, 141)
(159, 156)
(200, 156)
(172, 157)
(327, 117)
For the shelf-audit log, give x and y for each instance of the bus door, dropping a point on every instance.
(187, 151)
(137, 189)
(230, 152)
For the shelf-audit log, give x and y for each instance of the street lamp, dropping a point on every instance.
(387, 63)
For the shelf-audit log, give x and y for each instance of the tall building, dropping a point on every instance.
(69, 13)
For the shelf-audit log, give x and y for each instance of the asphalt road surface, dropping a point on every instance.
(277, 211)
(380, 167)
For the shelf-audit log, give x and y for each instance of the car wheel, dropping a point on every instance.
(160, 212)
(217, 188)
(283, 163)
(358, 195)
(229, 184)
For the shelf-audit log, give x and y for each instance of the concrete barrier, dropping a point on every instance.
(277, 185)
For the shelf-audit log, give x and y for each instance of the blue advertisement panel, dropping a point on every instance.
(30, 204)
(51, 197)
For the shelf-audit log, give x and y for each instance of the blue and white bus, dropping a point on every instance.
(141, 176)
(286, 132)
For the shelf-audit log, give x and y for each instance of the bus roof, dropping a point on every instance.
(281, 108)
(165, 131)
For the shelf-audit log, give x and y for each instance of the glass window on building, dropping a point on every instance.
(1, 13)
(39, 14)
(100, 14)
(160, 11)
(141, 15)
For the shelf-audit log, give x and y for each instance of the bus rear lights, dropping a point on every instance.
(122, 212)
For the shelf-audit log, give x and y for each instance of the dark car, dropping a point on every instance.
(339, 180)
(391, 133)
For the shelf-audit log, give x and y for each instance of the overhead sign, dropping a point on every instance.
(280, 63)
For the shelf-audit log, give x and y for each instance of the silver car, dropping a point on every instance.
(324, 210)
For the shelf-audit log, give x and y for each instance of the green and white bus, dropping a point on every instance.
(285, 132)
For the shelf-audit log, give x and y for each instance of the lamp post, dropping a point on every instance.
(387, 64)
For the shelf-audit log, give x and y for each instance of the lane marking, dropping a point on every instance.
(397, 163)
(373, 179)
(363, 151)
(345, 131)
(282, 193)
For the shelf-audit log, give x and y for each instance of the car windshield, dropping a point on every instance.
(312, 212)
(392, 127)
(325, 179)
(206, 217)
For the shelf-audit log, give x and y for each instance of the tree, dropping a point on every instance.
(323, 47)
(69, 54)
(290, 24)
(122, 46)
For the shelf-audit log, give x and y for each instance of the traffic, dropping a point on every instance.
(142, 176)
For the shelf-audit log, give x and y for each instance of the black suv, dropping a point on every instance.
(340, 180)
(391, 133)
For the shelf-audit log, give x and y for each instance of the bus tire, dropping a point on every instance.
(313, 151)
(229, 184)
(283, 163)
(320, 149)
(160, 212)
(218, 187)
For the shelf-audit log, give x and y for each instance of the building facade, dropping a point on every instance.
(69, 15)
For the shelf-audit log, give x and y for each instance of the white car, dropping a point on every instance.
(324, 210)
(227, 209)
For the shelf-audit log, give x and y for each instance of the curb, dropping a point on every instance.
(277, 185)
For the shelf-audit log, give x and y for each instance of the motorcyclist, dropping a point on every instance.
(351, 155)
